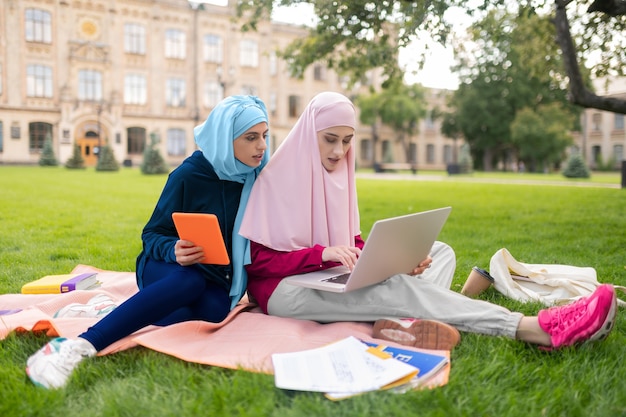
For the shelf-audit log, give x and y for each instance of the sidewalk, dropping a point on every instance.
(470, 178)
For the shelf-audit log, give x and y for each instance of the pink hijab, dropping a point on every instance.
(295, 203)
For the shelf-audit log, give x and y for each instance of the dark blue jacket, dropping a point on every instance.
(191, 187)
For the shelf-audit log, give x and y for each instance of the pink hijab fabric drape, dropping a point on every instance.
(295, 203)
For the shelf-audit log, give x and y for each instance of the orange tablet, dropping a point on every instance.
(203, 230)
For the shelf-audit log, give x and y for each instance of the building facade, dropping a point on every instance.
(602, 139)
(124, 73)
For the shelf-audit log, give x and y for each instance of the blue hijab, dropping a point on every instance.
(229, 120)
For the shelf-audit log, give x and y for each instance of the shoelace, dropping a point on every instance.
(563, 317)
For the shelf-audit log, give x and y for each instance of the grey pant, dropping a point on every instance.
(427, 296)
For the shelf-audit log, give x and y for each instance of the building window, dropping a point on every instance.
(37, 134)
(134, 39)
(213, 94)
(618, 153)
(387, 151)
(175, 92)
(136, 140)
(89, 85)
(596, 122)
(38, 26)
(447, 154)
(428, 121)
(213, 49)
(175, 44)
(135, 89)
(366, 150)
(248, 53)
(176, 144)
(294, 106)
(413, 153)
(273, 103)
(273, 63)
(430, 154)
(38, 81)
(618, 122)
(319, 72)
(596, 153)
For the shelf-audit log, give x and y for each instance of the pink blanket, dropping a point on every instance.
(246, 339)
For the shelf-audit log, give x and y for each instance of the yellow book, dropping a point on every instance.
(56, 284)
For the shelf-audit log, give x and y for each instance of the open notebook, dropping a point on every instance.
(394, 246)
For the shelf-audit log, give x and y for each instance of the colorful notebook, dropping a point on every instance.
(428, 364)
(56, 284)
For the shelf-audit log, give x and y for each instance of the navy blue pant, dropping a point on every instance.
(171, 294)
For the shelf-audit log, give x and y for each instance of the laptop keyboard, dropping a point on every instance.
(339, 279)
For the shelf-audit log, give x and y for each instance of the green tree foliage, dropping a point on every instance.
(106, 160)
(153, 162)
(450, 128)
(576, 167)
(398, 106)
(353, 37)
(500, 78)
(541, 136)
(47, 154)
(356, 36)
(76, 161)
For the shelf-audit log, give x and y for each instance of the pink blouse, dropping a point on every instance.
(269, 266)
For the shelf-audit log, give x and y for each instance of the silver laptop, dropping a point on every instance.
(394, 246)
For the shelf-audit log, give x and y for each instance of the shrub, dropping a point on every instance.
(47, 154)
(106, 160)
(153, 162)
(576, 167)
(76, 161)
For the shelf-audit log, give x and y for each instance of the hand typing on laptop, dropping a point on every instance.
(346, 255)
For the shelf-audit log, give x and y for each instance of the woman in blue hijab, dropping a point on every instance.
(173, 285)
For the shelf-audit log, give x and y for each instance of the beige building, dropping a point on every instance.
(603, 138)
(124, 72)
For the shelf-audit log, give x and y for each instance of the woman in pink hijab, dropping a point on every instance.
(303, 216)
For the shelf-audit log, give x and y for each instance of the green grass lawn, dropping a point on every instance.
(53, 219)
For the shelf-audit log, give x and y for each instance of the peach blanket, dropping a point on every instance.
(246, 339)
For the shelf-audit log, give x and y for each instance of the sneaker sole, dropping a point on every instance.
(608, 323)
(424, 334)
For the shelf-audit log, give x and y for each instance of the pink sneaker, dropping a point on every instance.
(589, 318)
(425, 334)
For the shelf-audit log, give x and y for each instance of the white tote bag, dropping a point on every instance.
(547, 284)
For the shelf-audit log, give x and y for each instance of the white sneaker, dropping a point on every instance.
(98, 306)
(52, 365)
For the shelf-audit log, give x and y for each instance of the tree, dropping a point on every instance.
(76, 161)
(47, 154)
(600, 34)
(501, 76)
(541, 136)
(369, 106)
(398, 106)
(106, 160)
(450, 128)
(153, 162)
(357, 36)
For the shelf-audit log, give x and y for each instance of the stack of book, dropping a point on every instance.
(56, 284)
